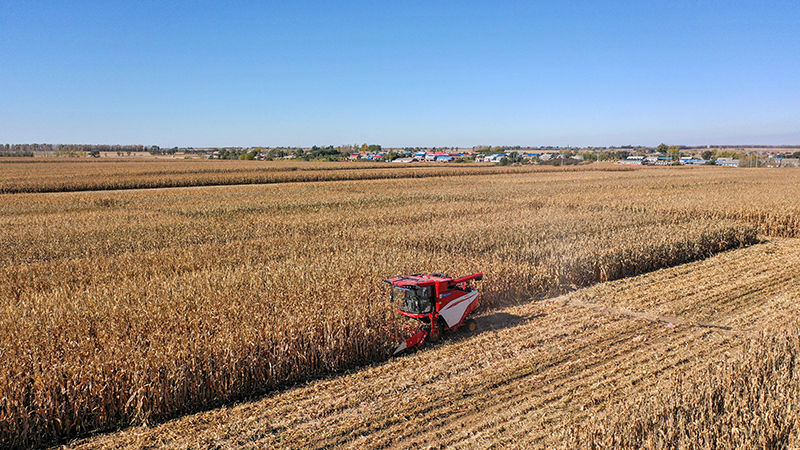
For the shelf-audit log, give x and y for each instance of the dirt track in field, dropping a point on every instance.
(529, 373)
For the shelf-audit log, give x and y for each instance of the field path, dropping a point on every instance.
(531, 371)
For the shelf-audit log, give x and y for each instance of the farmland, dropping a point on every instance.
(31, 175)
(131, 306)
(541, 372)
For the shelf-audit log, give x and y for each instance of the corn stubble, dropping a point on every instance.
(128, 307)
(751, 400)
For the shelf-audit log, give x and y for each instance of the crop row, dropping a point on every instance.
(747, 401)
(65, 177)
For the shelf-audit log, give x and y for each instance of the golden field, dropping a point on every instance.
(132, 306)
(66, 175)
(603, 367)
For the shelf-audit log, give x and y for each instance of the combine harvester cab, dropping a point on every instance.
(441, 303)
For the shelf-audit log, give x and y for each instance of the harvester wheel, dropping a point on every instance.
(471, 325)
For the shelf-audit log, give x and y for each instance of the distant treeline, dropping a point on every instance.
(338, 152)
(748, 146)
(74, 149)
(221, 152)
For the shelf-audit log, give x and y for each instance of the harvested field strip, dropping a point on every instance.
(558, 364)
(705, 298)
(670, 320)
(749, 400)
(40, 178)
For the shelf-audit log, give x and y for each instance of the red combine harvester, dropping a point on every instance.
(439, 302)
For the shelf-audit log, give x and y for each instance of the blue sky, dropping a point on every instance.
(402, 73)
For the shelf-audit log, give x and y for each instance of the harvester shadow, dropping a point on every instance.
(500, 320)
(490, 322)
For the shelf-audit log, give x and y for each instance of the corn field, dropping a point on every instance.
(606, 366)
(130, 307)
(69, 175)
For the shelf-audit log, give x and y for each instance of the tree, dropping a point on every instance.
(674, 152)
(662, 148)
(708, 154)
